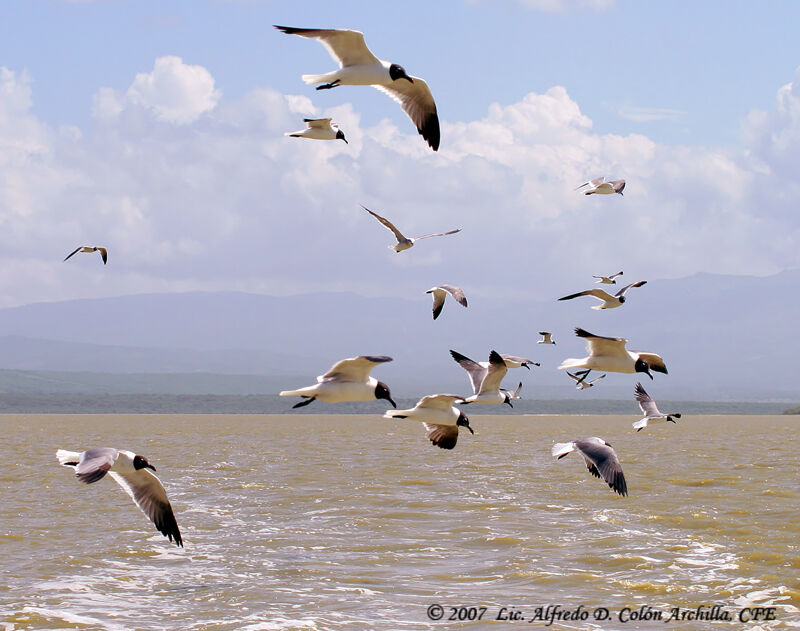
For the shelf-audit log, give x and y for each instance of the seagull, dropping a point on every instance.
(319, 129)
(650, 410)
(441, 418)
(347, 380)
(609, 301)
(440, 293)
(512, 361)
(358, 66)
(485, 378)
(547, 338)
(599, 186)
(601, 460)
(131, 473)
(513, 394)
(581, 383)
(607, 280)
(88, 248)
(609, 354)
(403, 242)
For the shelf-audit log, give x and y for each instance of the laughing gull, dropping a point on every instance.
(440, 417)
(609, 301)
(88, 248)
(601, 460)
(512, 361)
(319, 129)
(440, 292)
(580, 381)
(131, 473)
(609, 354)
(403, 242)
(513, 394)
(599, 186)
(607, 280)
(485, 378)
(547, 338)
(650, 410)
(358, 66)
(347, 380)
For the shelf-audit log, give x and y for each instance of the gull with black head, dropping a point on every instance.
(600, 458)
(607, 280)
(610, 355)
(609, 301)
(440, 417)
(650, 410)
(547, 338)
(89, 249)
(599, 186)
(319, 129)
(440, 292)
(485, 379)
(403, 242)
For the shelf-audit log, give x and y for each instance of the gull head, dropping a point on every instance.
(382, 392)
(507, 400)
(340, 136)
(463, 421)
(642, 366)
(140, 462)
(398, 72)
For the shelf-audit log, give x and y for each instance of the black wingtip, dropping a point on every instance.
(583, 332)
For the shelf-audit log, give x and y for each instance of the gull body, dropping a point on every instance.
(600, 458)
(347, 380)
(358, 66)
(547, 338)
(609, 354)
(650, 410)
(89, 248)
(130, 471)
(485, 379)
(580, 381)
(513, 395)
(609, 301)
(403, 242)
(512, 361)
(440, 292)
(319, 129)
(607, 280)
(440, 417)
(599, 186)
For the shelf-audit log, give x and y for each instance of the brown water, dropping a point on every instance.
(356, 522)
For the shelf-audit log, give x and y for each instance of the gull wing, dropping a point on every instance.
(95, 463)
(400, 236)
(519, 360)
(149, 494)
(438, 300)
(597, 345)
(613, 276)
(618, 185)
(417, 101)
(443, 436)
(103, 255)
(318, 123)
(354, 368)
(456, 292)
(475, 371)
(622, 291)
(603, 376)
(495, 373)
(646, 402)
(75, 251)
(439, 401)
(594, 183)
(601, 460)
(437, 234)
(595, 293)
(654, 361)
(346, 47)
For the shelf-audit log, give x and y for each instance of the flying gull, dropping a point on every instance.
(650, 410)
(609, 354)
(88, 248)
(599, 186)
(485, 378)
(440, 417)
(131, 473)
(547, 338)
(319, 129)
(580, 379)
(403, 242)
(440, 292)
(358, 66)
(601, 460)
(607, 280)
(609, 301)
(513, 394)
(347, 380)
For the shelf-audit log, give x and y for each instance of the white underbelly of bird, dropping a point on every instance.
(487, 398)
(602, 363)
(337, 392)
(376, 74)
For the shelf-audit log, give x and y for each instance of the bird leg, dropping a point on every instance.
(328, 86)
(306, 402)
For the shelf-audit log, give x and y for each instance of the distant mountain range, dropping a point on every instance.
(722, 337)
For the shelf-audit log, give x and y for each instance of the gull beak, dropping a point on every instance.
(149, 466)
(470, 430)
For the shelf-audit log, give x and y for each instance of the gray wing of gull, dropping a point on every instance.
(443, 436)
(75, 251)
(417, 102)
(95, 463)
(354, 368)
(347, 47)
(601, 460)
(646, 403)
(319, 123)
(400, 236)
(622, 291)
(595, 293)
(494, 375)
(436, 234)
(475, 371)
(147, 491)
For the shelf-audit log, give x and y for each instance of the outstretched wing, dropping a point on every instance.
(417, 101)
(319, 123)
(354, 368)
(443, 436)
(347, 47)
(622, 291)
(439, 401)
(149, 494)
(75, 251)
(602, 458)
(475, 371)
(596, 293)
(438, 234)
(400, 236)
(95, 463)
(598, 345)
(646, 402)
(497, 370)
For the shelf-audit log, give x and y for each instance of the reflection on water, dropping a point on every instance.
(338, 522)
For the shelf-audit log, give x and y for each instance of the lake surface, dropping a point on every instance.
(358, 523)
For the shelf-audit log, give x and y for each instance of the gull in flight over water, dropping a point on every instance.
(547, 338)
(319, 129)
(513, 394)
(599, 186)
(650, 410)
(601, 460)
(610, 355)
(485, 378)
(440, 417)
(358, 66)
(347, 380)
(607, 280)
(440, 292)
(580, 379)
(609, 301)
(88, 248)
(131, 473)
(403, 242)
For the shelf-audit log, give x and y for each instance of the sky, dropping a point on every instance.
(156, 129)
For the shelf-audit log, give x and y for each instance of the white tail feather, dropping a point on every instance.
(640, 424)
(562, 449)
(571, 363)
(311, 79)
(65, 456)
